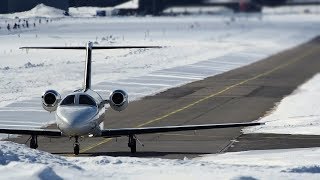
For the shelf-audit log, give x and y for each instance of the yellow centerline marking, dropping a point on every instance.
(95, 145)
(210, 96)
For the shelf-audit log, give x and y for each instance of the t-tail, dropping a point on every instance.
(89, 47)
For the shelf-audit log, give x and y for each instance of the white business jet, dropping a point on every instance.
(82, 112)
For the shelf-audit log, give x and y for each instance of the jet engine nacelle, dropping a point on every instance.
(50, 100)
(118, 100)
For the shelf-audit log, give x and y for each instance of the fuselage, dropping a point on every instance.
(80, 113)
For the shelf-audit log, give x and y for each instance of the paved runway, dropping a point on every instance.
(240, 95)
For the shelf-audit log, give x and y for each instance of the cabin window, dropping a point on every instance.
(83, 99)
(69, 100)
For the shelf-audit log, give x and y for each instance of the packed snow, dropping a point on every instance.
(20, 162)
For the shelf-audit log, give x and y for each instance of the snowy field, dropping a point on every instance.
(195, 47)
(20, 162)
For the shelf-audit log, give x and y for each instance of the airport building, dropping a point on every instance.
(95, 3)
(11, 6)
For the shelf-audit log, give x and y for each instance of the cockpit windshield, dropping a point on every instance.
(86, 100)
(69, 100)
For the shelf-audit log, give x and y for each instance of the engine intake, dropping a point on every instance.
(118, 100)
(50, 100)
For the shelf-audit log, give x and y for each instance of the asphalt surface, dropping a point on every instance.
(241, 95)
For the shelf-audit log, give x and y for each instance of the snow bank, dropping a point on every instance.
(298, 113)
(40, 10)
(20, 162)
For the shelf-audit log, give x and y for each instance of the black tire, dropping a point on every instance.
(33, 143)
(76, 149)
(133, 146)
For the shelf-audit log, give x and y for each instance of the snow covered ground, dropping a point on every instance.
(20, 162)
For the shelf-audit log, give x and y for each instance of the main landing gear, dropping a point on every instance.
(34, 142)
(132, 144)
(76, 145)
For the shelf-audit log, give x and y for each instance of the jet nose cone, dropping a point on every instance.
(76, 119)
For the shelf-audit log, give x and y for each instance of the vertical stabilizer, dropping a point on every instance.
(87, 71)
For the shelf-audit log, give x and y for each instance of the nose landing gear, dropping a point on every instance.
(76, 146)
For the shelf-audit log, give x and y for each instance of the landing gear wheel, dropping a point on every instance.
(76, 149)
(34, 142)
(76, 146)
(132, 144)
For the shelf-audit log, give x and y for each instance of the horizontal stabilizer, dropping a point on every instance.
(93, 47)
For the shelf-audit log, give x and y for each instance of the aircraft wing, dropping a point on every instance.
(40, 132)
(149, 130)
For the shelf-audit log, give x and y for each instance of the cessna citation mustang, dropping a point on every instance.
(82, 112)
